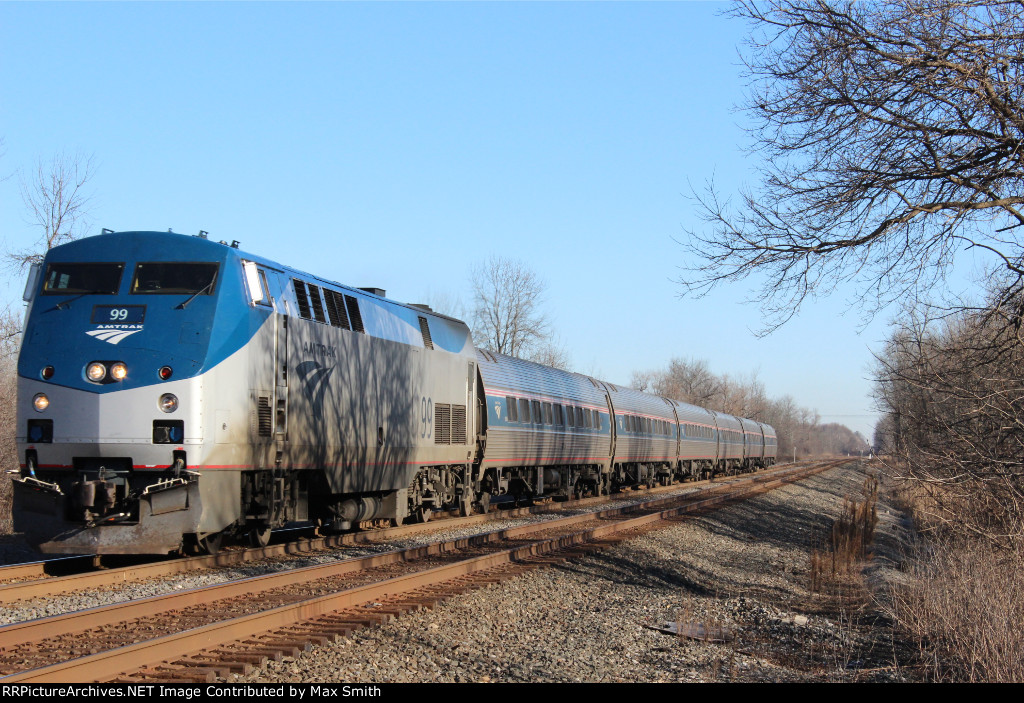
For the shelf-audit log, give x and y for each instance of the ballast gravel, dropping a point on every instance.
(742, 572)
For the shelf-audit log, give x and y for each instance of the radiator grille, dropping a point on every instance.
(318, 307)
(336, 308)
(300, 298)
(353, 314)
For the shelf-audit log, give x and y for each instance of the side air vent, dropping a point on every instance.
(425, 331)
(353, 314)
(301, 298)
(442, 423)
(458, 424)
(336, 308)
(318, 306)
(450, 424)
(264, 416)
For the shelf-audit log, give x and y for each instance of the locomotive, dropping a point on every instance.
(174, 390)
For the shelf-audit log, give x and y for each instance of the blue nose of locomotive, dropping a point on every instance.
(132, 309)
(121, 331)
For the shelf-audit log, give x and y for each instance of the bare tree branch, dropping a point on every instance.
(507, 316)
(57, 203)
(889, 139)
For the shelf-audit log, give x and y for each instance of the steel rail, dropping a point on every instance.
(108, 664)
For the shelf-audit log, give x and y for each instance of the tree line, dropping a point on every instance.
(800, 430)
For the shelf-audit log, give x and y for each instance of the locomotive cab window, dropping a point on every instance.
(256, 280)
(180, 278)
(62, 279)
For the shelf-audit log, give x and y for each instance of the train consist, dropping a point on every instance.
(173, 390)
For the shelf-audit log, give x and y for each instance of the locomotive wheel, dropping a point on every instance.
(259, 536)
(423, 514)
(211, 543)
(485, 502)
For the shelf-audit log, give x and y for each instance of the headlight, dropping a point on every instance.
(40, 402)
(168, 402)
(95, 372)
(118, 371)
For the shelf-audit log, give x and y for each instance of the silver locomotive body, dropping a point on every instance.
(173, 390)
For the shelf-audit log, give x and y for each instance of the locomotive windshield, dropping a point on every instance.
(175, 277)
(63, 278)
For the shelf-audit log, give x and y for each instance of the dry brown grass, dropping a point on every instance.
(964, 606)
(964, 600)
(848, 541)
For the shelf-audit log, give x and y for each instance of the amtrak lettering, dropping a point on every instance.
(315, 349)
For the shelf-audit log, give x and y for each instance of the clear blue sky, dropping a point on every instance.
(396, 145)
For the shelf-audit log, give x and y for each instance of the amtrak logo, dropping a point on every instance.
(112, 335)
(315, 380)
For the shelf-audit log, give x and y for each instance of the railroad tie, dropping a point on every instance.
(287, 647)
(248, 656)
(175, 675)
(311, 635)
(272, 653)
(222, 667)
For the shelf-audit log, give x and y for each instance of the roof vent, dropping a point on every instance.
(375, 291)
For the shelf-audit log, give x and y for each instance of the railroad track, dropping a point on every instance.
(208, 632)
(78, 574)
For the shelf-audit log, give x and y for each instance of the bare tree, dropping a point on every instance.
(551, 353)
(799, 429)
(56, 201)
(507, 316)
(954, 422)
(890, 135)
(10, 337)
(692, 381)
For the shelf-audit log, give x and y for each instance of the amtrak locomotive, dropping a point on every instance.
(174, 390)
